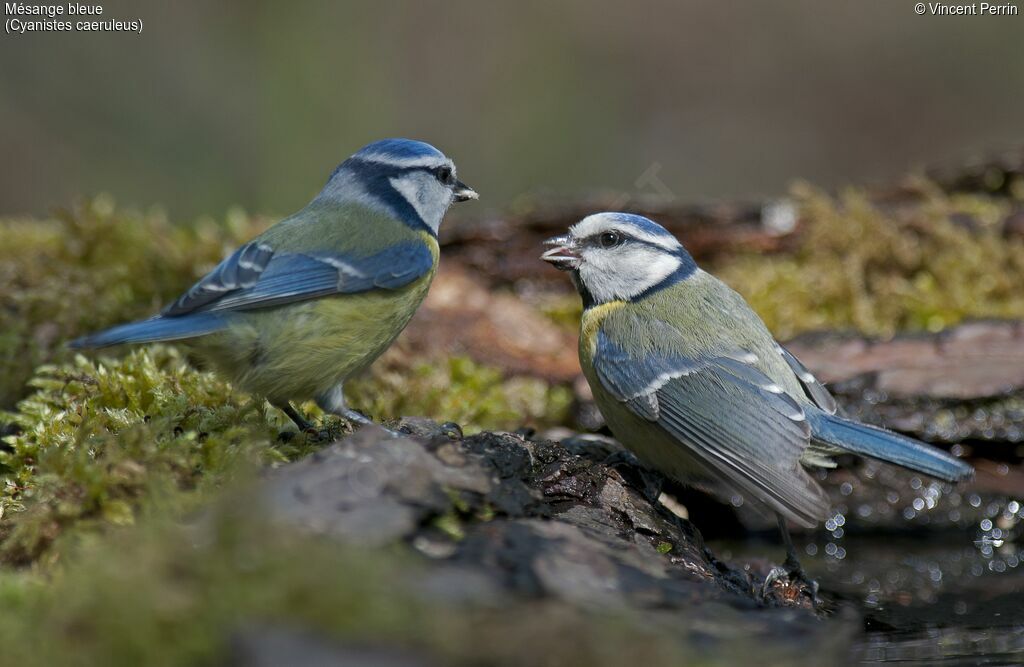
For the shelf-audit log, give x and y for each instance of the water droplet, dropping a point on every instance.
(811, 549)
(831, 548)
(909, 513)
(986, 524)
(960, 608)
(1013, 506)
(918, 504)
(915, 483)
(974, 500)
(847, 488)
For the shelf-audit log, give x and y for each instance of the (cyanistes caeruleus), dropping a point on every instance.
(689, 378)
(320, 295)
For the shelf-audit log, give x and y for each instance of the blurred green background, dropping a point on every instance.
(253, 103)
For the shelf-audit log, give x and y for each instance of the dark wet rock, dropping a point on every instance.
(502, 520)
(370, 488)
(961, 389)
(975, 360)
(964, 386)
(993, 174)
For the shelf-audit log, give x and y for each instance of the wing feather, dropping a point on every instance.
(815, 389)
(728, 415)
(255, 276)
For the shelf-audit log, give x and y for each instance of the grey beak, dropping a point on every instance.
(563, 256)
(463, 192)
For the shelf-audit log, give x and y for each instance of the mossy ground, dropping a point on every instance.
(90, 444)
(88, 439)
(167, 594)
(92, 266)
(861, 268)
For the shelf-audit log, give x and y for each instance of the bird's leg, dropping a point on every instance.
(333, 401)
(792, 559)
(301, 422)
(791, 569)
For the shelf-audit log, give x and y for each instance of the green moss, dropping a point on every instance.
(91, 267)
(457, 389)
(166, 595)
(664, 547)
(564, 310)
(99, 438)
(860, 267)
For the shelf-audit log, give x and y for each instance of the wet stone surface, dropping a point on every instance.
(963, 384)
(503, 518)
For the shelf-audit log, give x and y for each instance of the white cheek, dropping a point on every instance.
(625, 274)
(429, 200)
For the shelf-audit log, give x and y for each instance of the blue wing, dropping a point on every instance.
(816, 391)
(256, 276)
(727, 415)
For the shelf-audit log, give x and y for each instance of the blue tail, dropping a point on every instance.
(154, 329)
(887, 446)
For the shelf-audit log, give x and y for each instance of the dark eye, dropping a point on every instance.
(445, 175)
(609, 239)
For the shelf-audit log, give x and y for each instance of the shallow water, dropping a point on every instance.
(948, 598)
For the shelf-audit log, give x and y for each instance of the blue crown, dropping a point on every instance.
(641, 223)
(398, 149)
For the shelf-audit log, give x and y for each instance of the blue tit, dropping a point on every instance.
(689, 378)
(321, 294)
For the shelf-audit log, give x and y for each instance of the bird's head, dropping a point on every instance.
(619, 257)
(410, 179)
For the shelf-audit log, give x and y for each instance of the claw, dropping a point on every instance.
(791, 573)
(788, 576)
(359, 419)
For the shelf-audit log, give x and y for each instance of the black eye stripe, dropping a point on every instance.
(608, 239)
(397, 170)
(625, 239)
(445, 174)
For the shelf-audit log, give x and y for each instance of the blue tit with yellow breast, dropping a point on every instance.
(689, 378)
(320, 295)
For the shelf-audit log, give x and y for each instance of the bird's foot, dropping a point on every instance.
(358, 420)
(790, 582)
(303, 424)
